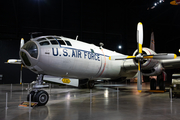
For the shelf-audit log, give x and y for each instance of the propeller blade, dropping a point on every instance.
(167, 56)
(139, 80)
(21, 45)
(148, 57)
(14, 61)
(120, 57)
(22, 42)
(140, 36)
(139, 56)
(161, 56)
(21, 74)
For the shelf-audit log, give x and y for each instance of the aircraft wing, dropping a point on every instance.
(14, 61)
(167, 64)
(171, 63)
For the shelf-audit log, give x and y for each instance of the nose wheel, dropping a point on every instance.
(39, 96)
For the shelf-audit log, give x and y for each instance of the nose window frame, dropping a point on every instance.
(25, 58)
(31, 48)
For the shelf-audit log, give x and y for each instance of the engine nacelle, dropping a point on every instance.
(150, 67)
(156, 70)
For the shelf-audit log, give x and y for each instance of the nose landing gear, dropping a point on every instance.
(38, 95)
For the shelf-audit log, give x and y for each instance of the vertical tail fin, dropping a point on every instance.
(152, 42)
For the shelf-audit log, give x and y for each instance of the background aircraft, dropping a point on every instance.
(162, 77)
(67, 61)
(175, 2)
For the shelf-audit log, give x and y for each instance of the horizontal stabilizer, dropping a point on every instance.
(14, 61)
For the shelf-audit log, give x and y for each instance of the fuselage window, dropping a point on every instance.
(54, 42)
(92, 50)
(68, 43)
(61, 42)
(44, 43)
(41, 39)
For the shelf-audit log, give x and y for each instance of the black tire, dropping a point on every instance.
(161, 80)
(90, 84)
(153, 84)
(161, 84)
(41, 97)
(32, 96)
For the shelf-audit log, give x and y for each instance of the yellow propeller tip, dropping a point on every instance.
(139, 91)
(110, 58)
(175, 56)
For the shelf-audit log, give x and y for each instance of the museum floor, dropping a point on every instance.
(101, 103)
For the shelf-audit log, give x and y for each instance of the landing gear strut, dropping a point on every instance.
(38, 95)
(161, 79)
(90, 84)
(160, 82)
(153, 84)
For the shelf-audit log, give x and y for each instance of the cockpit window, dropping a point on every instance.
(68, 43)
(61, 42)
(41, 39)
(54, 42)
(50, 38)
(92, 50)
(58, 38)
(44, 43)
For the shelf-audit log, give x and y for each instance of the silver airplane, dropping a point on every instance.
(67, 61)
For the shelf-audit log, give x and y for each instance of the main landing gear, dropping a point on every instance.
(85, 83)
(90, 84)
(38, 95)
(153, 84)
(160, 82)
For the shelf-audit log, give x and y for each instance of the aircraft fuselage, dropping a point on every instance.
(64, 57)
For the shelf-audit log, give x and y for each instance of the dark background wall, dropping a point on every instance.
(112, 22)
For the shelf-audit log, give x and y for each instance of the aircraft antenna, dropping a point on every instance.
(34, 33)
(77, 37)
(101, 44)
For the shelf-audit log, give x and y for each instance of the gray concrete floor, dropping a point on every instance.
(101, 103)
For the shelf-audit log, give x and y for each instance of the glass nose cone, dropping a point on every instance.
(31, 48)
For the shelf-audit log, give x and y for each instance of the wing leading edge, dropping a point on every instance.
(171, 63)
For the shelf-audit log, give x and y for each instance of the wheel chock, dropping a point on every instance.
(25, 104)
(157, 91)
